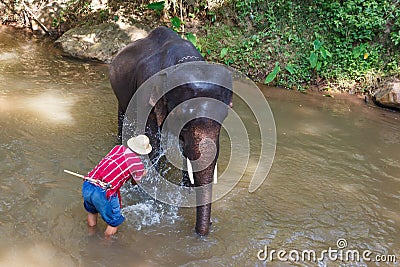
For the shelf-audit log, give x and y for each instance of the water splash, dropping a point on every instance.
(144, 211)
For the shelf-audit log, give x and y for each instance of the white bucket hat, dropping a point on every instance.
(140, 144)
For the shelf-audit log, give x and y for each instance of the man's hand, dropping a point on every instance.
(110, 230)
(134, 182)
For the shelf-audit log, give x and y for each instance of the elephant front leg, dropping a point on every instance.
(153, 132)
(121, 115)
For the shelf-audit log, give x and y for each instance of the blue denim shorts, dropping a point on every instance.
(95, 201)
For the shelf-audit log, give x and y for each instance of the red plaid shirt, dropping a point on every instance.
(117, 167)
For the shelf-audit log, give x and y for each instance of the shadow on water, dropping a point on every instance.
(335, 175)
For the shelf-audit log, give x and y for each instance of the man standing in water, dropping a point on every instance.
(102, 193)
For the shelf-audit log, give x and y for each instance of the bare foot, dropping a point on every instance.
(110, 230)
(92, 230)
(92, 219)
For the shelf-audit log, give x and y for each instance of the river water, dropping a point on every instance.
(336, 175)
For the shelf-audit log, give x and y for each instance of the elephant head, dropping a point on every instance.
(196, 111)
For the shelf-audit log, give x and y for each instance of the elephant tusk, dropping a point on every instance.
(190, 170)
(215, 174)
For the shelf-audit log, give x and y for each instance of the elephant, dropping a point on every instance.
(139, 61)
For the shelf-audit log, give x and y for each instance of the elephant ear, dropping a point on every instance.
(160, 105)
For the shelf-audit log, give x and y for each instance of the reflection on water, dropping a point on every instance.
(335, 175)
(50, 107)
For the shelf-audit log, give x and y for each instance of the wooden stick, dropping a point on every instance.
(106, 185)
(75, 174)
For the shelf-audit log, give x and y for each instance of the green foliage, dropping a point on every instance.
(395, 16)
(330, 41)
(354, 20)
(228, 45)
(318, 56)
(156, 5)
(80, 12)
(224, 52)
(355, 34)
(290, 68)
(176, 23)
(290, 43)
(193, 39)
(272, 75)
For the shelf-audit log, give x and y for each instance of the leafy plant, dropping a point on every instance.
(156, 5)
(272, 75)
(224, 52)
(193, 39)
(395, 33)
(318, 55)
(290, 68)
(176, 23)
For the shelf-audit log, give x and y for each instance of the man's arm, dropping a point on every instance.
(134, 182)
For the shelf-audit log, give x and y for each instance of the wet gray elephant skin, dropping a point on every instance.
(136, 63)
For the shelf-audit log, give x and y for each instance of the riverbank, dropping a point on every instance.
(336, 46)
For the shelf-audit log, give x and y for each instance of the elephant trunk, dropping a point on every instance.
(203, 182)
(202, 149)
(203, 219)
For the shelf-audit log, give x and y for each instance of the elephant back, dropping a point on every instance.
(138, 61)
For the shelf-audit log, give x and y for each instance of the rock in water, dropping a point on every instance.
(100, 42)
(389, 95)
